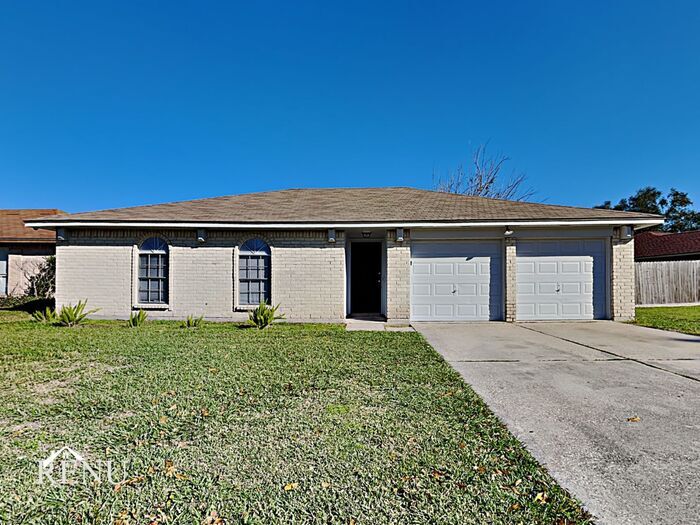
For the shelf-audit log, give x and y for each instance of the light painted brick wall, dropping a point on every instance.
(308, 273)
(622, 284)
(510, 279)
(398, 278)
(98, 271)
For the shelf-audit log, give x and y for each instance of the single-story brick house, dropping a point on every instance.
(22, 249)
(326, 254)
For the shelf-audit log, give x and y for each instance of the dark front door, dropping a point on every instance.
(366, 277)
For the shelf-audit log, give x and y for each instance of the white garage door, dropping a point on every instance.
(456, 281)
(561, 280)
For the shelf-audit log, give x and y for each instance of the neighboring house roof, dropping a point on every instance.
(12, 228)
(655, 245)
(344, 206)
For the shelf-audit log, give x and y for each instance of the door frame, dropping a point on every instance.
(348, 281)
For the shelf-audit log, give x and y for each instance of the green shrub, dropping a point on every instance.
(73, 315)
(137, 319)
(47, 316)
(192, 322)
(42, 283)
(263, 315)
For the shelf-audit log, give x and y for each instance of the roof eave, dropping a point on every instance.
(637, 223)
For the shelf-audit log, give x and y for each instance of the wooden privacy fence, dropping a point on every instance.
(667, 282)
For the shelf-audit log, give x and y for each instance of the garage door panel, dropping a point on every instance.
(466, 311)
(421, 290)
(443, 269)
(456, 281)
(573, 309)
(571, 267)
(546, 288)
(568, 281)
(527, 309)
(547, 309)
(547, 267)
(525, 267)
(571, 288)
(444, 310)
(442, 289)
(421, 268)
(525, 288)
(467, 290)
(466, 269)
(421, 310)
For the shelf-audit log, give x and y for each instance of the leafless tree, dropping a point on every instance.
(483, 178)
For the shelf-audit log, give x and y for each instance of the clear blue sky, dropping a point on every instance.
(105, 105)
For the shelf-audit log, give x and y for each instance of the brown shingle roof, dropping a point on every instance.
(349, 205)
(12, 228)
(650, 245)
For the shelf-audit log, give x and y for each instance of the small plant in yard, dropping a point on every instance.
(264, 315)
(46, 316)
(193, 322)
(137, 319)
(73, 315)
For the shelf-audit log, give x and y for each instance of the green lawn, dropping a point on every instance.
(296, 424)
(684, 319)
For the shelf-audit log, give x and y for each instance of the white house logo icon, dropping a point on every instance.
(65, 466)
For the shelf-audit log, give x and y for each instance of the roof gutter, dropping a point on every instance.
(637, 223)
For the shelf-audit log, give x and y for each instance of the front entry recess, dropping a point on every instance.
(366, 278)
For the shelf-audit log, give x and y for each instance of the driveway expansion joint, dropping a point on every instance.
(621, 357)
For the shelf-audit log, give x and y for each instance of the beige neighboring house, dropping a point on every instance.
(22, 249)
(401, 254)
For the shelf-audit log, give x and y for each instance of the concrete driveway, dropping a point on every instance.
(567, 390)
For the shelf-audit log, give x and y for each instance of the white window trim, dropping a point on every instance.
(135, 305)
(237, 306)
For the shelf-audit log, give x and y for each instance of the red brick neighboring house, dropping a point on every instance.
(22, 249)
(663, 246)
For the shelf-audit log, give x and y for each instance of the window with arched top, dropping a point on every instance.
(254, 272)
(153, 271)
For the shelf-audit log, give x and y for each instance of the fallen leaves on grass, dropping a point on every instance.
(291, 486)
(127, 482)
(541, 498)
(213, 519)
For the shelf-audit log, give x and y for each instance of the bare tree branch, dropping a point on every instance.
(484, 179)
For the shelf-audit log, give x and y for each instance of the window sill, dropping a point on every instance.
(245, 307)
(152, 306)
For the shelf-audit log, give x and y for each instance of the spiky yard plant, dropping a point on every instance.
(193, 322)
(71, 315)
(264, 315)
(46, 316)
(137, 319)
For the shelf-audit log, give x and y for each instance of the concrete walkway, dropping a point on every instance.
(572, 392)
